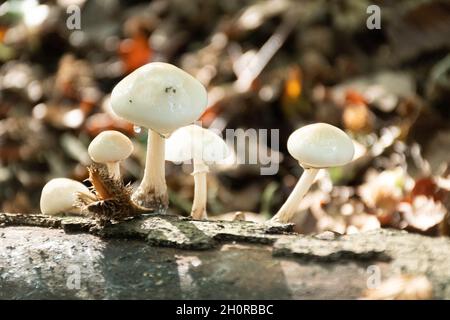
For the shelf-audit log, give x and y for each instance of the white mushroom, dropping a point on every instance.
(204, 148)
(110, 147)
(315, 146)
(162, 98)
(60, 195)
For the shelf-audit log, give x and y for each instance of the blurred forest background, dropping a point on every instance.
(312, 61)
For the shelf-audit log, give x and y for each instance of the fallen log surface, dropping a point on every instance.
(170, 257)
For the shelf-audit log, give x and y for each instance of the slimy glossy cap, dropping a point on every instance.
(110, 146)
(159, 96)
(320, 145)
(59, 195)
(197, 143)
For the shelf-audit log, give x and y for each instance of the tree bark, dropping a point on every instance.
(169, 257)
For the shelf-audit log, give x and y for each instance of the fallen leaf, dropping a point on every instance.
(404, 287)
(423, 213)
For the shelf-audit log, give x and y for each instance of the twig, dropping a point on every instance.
(267, 51)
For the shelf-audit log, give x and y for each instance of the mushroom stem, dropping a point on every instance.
(152, 192)
(199, 204)
(290, 207)
(113, 169)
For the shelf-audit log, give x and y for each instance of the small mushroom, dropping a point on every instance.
(162, 98)
(204, 148)
(60, 196)
(110, 147)
(315, 146)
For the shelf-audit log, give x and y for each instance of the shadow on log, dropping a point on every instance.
(169, 257)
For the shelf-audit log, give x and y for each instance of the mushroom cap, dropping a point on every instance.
(159, 96)
(197, 143)
(59, 195)
(110, 146)
(320, 145)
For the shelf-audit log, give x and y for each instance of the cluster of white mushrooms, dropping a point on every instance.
(166, 100)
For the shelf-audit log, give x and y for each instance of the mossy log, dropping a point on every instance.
(170, 257)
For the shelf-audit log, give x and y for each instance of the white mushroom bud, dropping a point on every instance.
(110, 147)
(60, 195)
(204, 148)
(162, 98)
(315, 146)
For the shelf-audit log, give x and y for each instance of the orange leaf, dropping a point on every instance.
(293, 84)
(426, 187)
(354, 97)
(135, 52)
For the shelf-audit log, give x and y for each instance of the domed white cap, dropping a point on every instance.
(197, 143)
(320, 145)
(110, 146)
(59, 195)
(159, 96)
